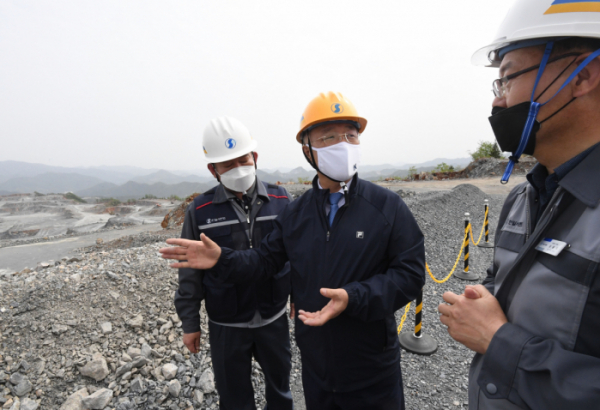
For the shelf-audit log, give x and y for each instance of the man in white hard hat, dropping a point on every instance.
(246, 320)
(357, 256)
(534, 323)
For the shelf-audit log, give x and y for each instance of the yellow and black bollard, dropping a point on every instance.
(465, 274)
(486, 227)
(417, 342)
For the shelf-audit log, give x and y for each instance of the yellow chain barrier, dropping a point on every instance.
(403, 317)
(482, 229)
(464, 243)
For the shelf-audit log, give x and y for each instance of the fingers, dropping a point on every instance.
(444, 309)
(175, 250)
(482, 290)
(180, 265)
(292, 310)
(179, 242)
(307, 315)
(450, 297)
(207, 241)
(471, 293)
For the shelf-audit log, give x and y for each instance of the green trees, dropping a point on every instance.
(486, 150)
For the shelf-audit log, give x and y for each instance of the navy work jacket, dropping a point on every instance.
(212, 214)
(374, 250)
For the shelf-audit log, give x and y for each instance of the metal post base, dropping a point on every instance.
(425, 345)
(466, 275)
(485, 245)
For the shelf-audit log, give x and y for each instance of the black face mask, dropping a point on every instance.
(508, 125)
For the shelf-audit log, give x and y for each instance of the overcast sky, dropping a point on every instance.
(87, 83)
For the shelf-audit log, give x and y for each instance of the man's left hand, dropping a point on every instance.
(473, 318)
(337, 304)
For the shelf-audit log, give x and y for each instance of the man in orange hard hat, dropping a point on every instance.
(356, 255)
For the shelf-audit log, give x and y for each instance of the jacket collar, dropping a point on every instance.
(223, 195)
(354, 184)
(583, 182)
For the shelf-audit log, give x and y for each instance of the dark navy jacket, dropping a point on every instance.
(213, 214)
(374, 250)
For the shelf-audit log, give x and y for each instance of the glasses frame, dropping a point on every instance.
(339, 138)
(499, 85)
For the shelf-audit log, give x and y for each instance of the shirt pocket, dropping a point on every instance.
(221, 235)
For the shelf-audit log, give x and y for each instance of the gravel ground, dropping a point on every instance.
(103, 325)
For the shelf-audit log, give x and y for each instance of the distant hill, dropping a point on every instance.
(293, 175)
(168, 178)
(135, 190)
(49, 182)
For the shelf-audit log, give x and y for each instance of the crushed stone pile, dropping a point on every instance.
(490, 167)
(100, 331)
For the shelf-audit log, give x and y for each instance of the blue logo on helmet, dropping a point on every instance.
(337, 108)
(230, 143)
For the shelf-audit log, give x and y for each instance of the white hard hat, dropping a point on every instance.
(537, 20)
(226, 138)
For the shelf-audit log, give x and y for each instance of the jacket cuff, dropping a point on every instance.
(501, 361)
(191, 326)
(352, 298)
(224, 262)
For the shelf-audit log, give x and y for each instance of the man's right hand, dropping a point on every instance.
(202, 254)
(192, 341)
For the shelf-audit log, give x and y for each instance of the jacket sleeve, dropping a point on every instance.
(538, 371)
(190, 292)
(253, 264)
(383, 294)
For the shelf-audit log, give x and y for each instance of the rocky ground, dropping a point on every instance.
(99, 331)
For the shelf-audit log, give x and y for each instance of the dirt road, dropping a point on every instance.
(490, 185)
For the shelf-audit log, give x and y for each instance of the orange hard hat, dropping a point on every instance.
(326, 108)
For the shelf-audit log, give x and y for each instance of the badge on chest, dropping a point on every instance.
(551, 246)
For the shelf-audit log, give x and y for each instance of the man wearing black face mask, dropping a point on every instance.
(534, 322)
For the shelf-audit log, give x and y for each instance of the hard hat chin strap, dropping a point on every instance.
(535, 106)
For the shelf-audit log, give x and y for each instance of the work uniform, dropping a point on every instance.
(547, 356)
(375, 251)
(247, 319)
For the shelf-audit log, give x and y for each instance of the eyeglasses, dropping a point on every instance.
(499, 85)
(333, 139)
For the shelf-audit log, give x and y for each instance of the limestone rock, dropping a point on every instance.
(137, 386)
(169, 370)
(97, 369)
(174, 388)
(98, 400)
(22, 388)
(28, 404)
(106, 328)
(198, 396)
(207, 381)
(75, 400)
(136, 321)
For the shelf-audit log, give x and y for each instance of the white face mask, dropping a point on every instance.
(239, 179)
(339, 161)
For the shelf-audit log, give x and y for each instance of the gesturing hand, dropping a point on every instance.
(473, 318)
(337, 304)
(202, 254)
